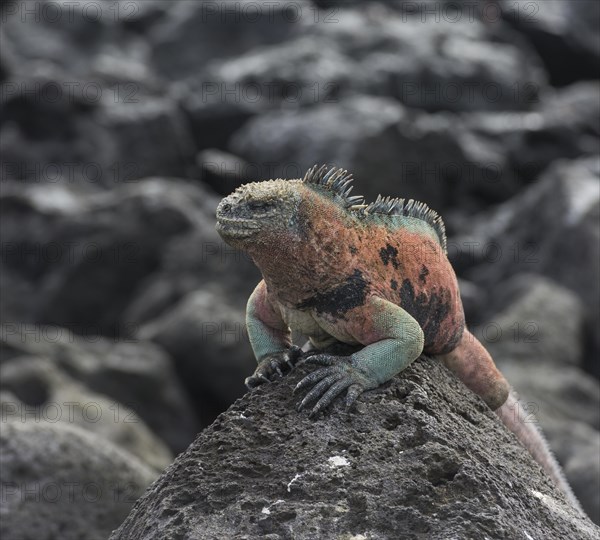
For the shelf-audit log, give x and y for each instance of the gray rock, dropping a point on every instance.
(311, 69)
(364, 51)
(44, 393)
(540, 322)
(449, 161)
(367, 51)
(196, 259)
(566, 402)
(195, 32)
(420, 456)
(208, 341)
(48, 132)
(460, 64)
(474, 300)
(137, 375)
(78, 261)
(390, 149)
(553, 229)
(150, 137)
(48, 31)
(565, 124)
(565, 35)
(577, 446)
(214, 112)
(583, 472)
(225, 172)
(61, 481)
(92, 132)
(556, 392)
(142, 15)
(79, 90)
(372, 50)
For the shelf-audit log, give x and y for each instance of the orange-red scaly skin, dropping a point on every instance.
(342, 260)
(338, 275)
(335, 274)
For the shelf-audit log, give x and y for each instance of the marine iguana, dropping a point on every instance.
(377, 275)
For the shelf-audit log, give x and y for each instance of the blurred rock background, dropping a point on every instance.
(122, 124)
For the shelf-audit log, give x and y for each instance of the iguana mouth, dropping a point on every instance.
(236, 228)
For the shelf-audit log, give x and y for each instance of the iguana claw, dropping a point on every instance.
(271, 366)
(329, 382)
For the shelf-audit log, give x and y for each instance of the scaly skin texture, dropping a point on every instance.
(343, 272)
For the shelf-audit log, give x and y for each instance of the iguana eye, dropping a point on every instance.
(260, 205)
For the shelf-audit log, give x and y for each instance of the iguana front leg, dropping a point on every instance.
(392, 338)
(270, 339)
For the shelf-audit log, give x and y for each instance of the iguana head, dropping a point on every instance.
(258, 212)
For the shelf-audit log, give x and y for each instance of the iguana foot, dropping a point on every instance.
(274, 365)
(329, 382)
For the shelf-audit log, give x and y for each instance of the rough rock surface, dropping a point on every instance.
(228, 29)
(415, 458)
(449, 161)
(536, 338)
(371, 51)
(464, 105)
(43, 392)
(537, 321)
(564, 33)
(208, 341)
(561, 240)
(60, 481)
(80, 261)
(134, 374)
(389, 148)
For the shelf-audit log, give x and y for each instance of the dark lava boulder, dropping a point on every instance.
(536, 340)
(538, 321)
(193, 32)
(200, 332)
(450, 161)
(43, 392)
(551, 228)
(420, 457)
(61, 481)
(78, 262)
(136, 375)
(566, 124)
(391, 149)
(564, 33)
(378, 51)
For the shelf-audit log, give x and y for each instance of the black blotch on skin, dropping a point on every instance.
(353, 250)
(389, 254)
(340, 299)
(430, 312)
(394, 284)
(423, 275)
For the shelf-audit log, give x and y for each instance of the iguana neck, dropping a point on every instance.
(295, 263)
(290, 270)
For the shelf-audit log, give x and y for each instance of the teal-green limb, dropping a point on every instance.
(267, 331)
(401, 342)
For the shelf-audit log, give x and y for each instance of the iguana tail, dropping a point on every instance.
(529, 435)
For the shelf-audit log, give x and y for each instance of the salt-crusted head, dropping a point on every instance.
(259, 212)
